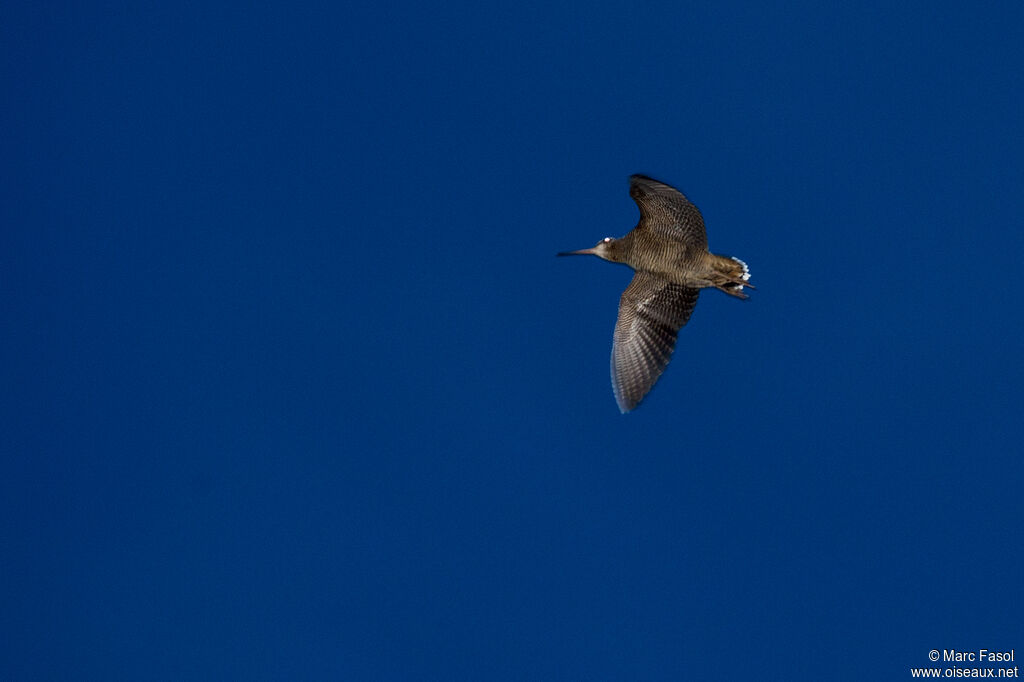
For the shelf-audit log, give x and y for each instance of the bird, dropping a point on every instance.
(668, 252)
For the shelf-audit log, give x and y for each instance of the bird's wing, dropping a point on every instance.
(665, 210)
(651, 312)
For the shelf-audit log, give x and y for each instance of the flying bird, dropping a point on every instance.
(668, 251)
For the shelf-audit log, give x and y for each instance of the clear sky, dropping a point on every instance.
(295, 388)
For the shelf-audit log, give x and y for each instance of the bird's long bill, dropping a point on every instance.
(582, 252)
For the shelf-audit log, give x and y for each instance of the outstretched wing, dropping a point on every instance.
(665, 210)
(651, 312)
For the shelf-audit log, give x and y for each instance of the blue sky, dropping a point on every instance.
(297, 389)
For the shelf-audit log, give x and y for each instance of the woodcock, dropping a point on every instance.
(668, 250)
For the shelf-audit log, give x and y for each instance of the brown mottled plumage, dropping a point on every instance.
(668, 249)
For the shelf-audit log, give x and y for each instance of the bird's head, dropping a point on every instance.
(607, 249)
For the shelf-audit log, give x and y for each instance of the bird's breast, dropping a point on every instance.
(670, 260)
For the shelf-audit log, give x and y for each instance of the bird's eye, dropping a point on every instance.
(606, 240)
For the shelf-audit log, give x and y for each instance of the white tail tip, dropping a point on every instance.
(746, 270)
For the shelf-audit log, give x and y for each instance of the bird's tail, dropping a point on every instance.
(734, 275)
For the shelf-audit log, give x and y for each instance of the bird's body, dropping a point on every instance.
(668, 250)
